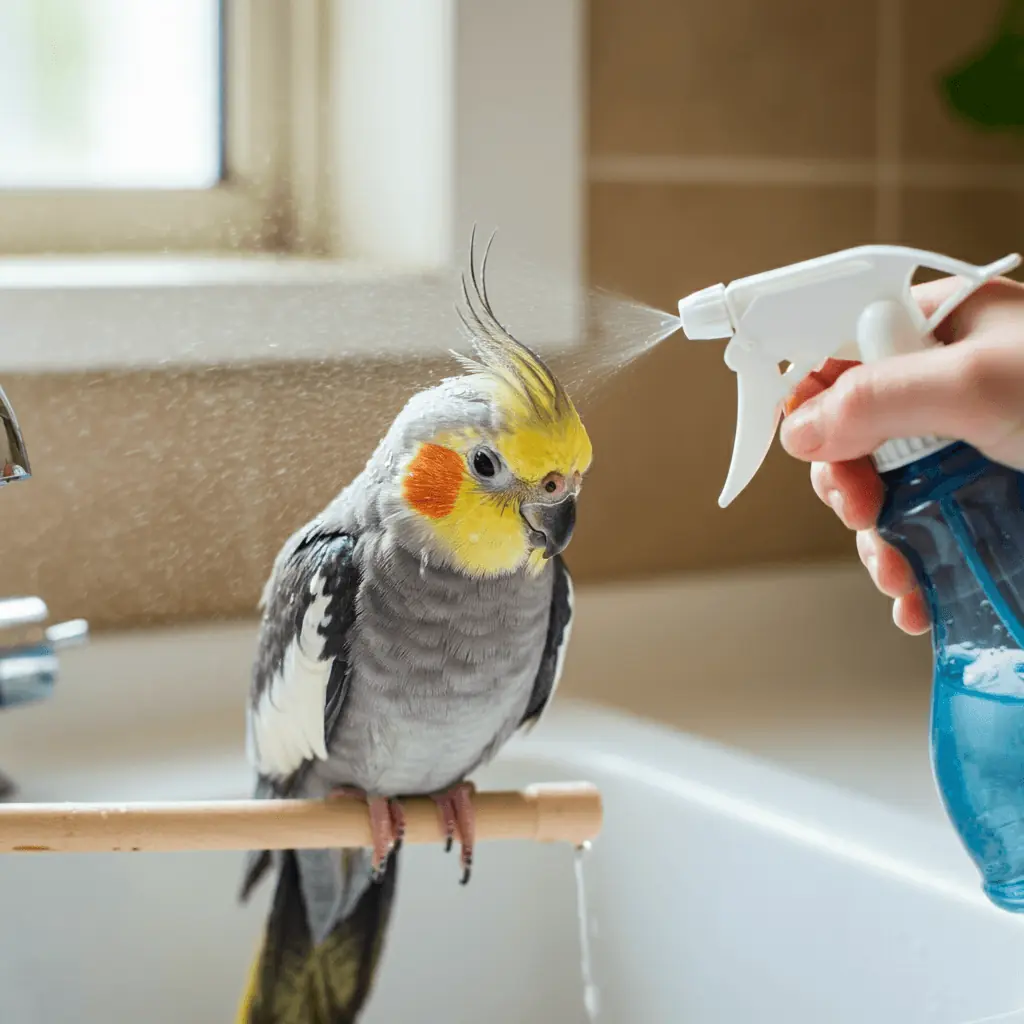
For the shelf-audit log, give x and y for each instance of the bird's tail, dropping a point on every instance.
(298, 980)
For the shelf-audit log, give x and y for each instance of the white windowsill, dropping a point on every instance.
(76, 314)
(69, 273)
(95, 314)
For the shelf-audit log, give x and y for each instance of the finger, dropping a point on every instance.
(853, 490)
(910, 613)
(944, 391)
(888, 569)
(817, 381)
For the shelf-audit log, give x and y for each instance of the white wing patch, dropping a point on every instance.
(286, 727)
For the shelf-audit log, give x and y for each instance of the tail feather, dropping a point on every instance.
(295, 980)
(256, 866)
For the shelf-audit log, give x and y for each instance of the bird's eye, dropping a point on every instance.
(485, 465)
(553, 483)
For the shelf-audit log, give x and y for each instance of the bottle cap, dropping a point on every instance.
(902, 450)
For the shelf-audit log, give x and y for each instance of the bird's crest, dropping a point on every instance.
(519, 372)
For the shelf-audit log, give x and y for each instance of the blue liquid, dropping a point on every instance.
(959, 520)
(978, 757)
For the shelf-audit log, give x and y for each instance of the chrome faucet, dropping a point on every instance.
(28, 647)
(13, 456)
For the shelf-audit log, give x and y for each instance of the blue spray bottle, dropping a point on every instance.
(957, 517)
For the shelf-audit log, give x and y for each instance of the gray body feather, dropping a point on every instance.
(441, 670)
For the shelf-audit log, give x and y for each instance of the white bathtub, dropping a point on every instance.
(723, 888)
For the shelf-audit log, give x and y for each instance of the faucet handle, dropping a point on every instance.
(28, 649)
(73, 633)
(22, 622)
(14, 463)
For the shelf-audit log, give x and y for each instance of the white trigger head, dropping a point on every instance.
(981, 276)
(854, 304)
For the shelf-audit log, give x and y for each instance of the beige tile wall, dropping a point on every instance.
(734, 136)
(725, 138)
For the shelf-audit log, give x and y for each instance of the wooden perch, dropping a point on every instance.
(553, 813)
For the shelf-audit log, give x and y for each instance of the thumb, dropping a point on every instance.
(948, 391)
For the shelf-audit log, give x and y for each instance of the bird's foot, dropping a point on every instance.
(455, 809)
(387, 826)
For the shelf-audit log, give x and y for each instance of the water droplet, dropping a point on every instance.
(591, 996)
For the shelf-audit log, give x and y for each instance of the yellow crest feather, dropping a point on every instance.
(526, 387)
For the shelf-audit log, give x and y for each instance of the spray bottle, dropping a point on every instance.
(957, 517)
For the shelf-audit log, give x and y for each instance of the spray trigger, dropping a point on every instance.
(760, 393)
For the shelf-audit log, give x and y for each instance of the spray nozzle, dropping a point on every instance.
(855, 303)
(705, 314)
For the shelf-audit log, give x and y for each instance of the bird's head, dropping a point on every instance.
(488, 465)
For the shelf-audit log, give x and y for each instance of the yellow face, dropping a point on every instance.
(497, 503)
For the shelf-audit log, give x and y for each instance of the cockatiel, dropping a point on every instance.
(408, 632)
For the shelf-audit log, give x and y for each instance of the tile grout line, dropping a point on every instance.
(655, 169)
(888, 100)
(667, 169)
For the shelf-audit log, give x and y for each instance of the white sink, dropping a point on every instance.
(722, 889)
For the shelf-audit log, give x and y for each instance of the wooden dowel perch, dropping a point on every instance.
(564, 812)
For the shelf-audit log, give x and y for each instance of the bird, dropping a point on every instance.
(407, 632)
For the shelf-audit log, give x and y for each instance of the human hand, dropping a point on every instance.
(972, 390)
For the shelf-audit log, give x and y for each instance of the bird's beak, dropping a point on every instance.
(551, 525)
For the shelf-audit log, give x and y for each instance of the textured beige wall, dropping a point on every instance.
(725, 138)
(160, 497)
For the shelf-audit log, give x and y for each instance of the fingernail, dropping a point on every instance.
(837, 503)
(800, 434)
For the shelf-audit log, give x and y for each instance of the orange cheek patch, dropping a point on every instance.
(432, 481)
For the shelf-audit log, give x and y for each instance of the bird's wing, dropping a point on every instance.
(301, 673)
(555, 645)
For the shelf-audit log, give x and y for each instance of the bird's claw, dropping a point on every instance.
(455, 810)
(387, 827)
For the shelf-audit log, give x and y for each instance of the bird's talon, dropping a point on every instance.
(455, 811)
(397, 814)
(387, 826)
(446, 817)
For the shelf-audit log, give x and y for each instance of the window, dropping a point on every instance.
(156, 125)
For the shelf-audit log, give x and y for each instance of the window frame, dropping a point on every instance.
(270, 193)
